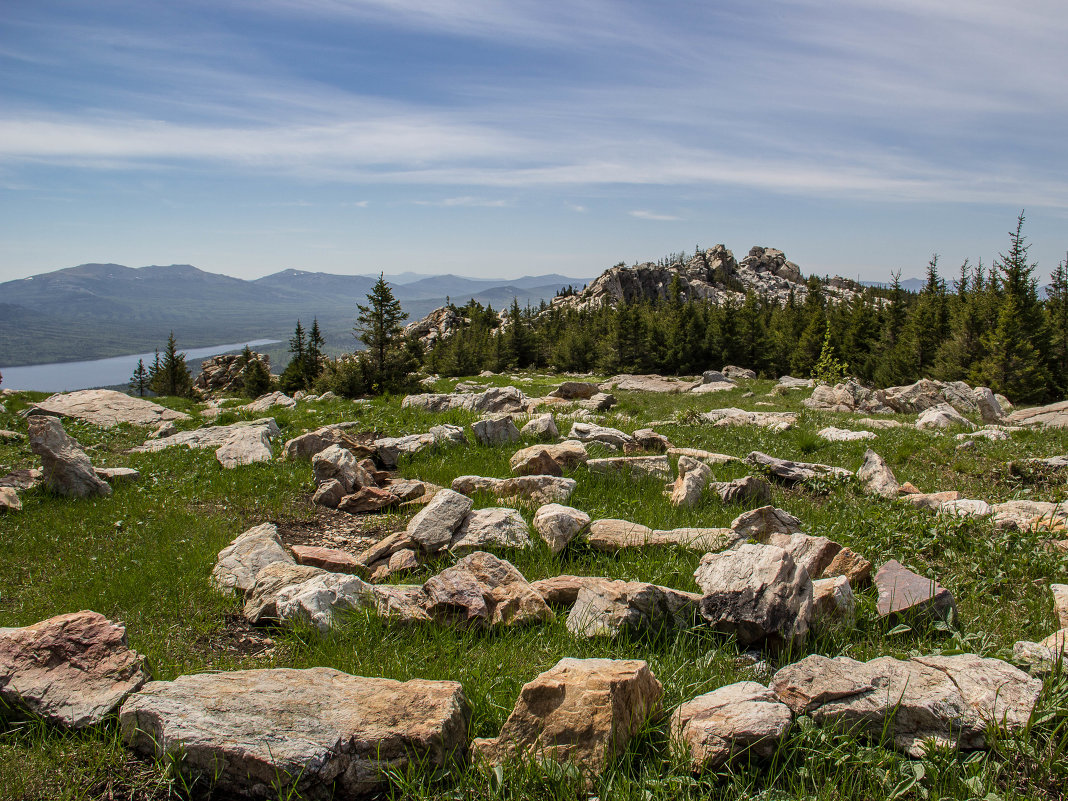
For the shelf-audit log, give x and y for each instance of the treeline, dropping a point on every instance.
(985, 326)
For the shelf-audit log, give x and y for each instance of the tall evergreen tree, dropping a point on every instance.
(378, 326)
(140, 380)
(172, 376)
(1057, 316)
(1019, 341)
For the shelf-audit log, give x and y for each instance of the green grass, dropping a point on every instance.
(143, 556)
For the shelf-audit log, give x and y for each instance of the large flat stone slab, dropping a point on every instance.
(319, 733)
(107, 408)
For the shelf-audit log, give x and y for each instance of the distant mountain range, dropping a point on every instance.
(98, 310)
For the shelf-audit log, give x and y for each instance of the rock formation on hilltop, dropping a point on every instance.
(713, 275)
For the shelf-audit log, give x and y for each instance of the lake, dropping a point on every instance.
(67, 376)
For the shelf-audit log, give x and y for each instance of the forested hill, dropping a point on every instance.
(686, 315)
(99, 310)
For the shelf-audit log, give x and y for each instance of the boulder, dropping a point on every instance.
(877, 477)
(848, 396)
(66, 469)
(386, 547)
(689, 487)
(759, 524)
(271, 399)
(574, 390)
(563, 591)
(965, 507)
(238, 564)
(614, 535)
(949, 700)
(537, 488)
(508, 400)
(930, 500)
(814, 554)
(260, 600)
(851, 565)
(495, 431)
(10, 436)
(329, 494)
(240, 443)
(527, 461)
(307, 445)
(106, 408)
(708, 457)
(832, 434)
(590, 432)
(757, 594)
(649, 440)
(648, 383)
(610, 608)
(541, 427)
(317, 600)
(580, 711)
(795, 472)
(989, 408)
(941, 416)
(710, 387)
(339, 464)
(1055, 415)
(433, 526)
(406, 489)
(24, 479)
(1060, 603)
(749, 489)
(657, 467)
(490, 528)
(71, 670)
(558, 524)
(316, 733)
(9, 500)
(117, 475)
(733, 372)
(904, 593)
(926, 394)
(483, 590)
(1043, 657)
(739, 720)
(775, 421)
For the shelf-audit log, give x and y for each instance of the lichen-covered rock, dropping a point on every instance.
(238, 563)
(877, 476)
(495, 430)
(950, 700)
(610, 608)
(72, 670)
(433, 526)
(66, 468)
(483, 590)
(317, 733)
(496, 527)
(106, 408)
(558, 524)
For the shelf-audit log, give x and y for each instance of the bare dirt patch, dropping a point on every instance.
(237, 637)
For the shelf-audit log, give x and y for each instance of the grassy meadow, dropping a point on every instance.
(144, 555)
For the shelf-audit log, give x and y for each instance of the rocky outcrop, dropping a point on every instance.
(774, 421)
(950, 700)
(440, 324)
(106, 408)
(649, 383)
(72, 670)
(915, 398)
(794, 472)
(1055, 415)
(713, 275)
(66, 469)
(581, 711)
(225, 374)
(316, 733)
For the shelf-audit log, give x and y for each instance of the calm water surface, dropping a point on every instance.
(66, 376)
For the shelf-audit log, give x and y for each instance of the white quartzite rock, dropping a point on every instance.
(239, 562)
(316, 732)
(832, 434)
(737, 720)
(558, 524)
(589, 432)
(637, 466)
(608, 608)
(541, 427)
(483, 590)
(9, 500)
(948, 699)
(756, 593)
(67, 470)
(690, 485)
(495, 431)
(490, 528)
(107, 408)
(941, 416)
(434, 525)
(877, 476)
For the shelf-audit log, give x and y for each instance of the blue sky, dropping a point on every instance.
(502, 138)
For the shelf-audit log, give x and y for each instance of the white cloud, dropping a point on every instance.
(474, 202)
(642, 214)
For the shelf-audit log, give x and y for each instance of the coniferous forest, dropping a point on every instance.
(983, 325)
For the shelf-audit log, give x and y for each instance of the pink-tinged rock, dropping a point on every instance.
(333, 559)
(72, 670)
(367, 499)
(902, 592)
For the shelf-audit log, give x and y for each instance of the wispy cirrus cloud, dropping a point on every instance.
(643, 214)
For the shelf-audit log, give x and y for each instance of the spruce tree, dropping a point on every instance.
(1019, 341)
(378, 326)
(1057, 319)
(313, 357)
(171, 375)
(139, 381)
